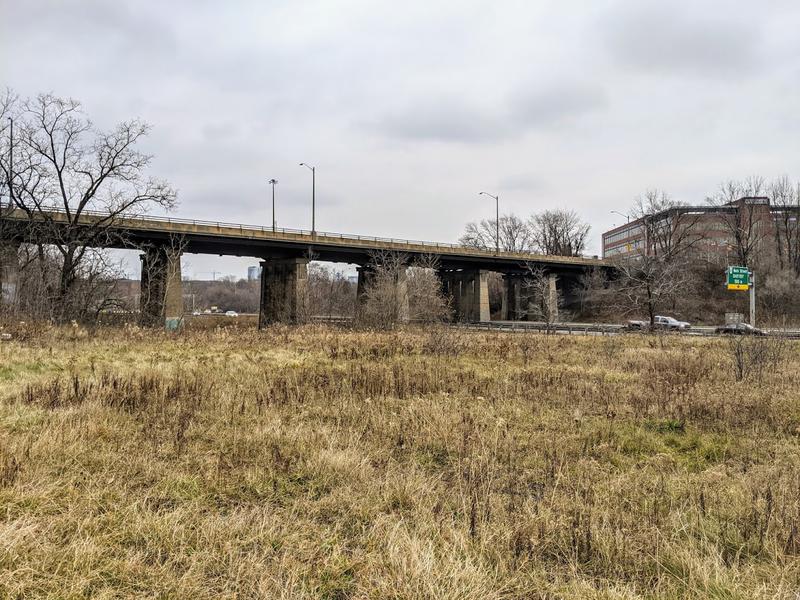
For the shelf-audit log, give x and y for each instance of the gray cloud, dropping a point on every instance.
(523, 182)
(455, 120)
(664, 37)
(545, 106)
(444, 120)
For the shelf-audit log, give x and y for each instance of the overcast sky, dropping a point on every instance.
(409, 109)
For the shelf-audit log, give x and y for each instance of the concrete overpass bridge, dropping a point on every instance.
(284, 255)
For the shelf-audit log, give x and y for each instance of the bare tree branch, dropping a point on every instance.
(62, 163)
(558, 232)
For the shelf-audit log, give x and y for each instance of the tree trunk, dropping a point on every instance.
(64, 308)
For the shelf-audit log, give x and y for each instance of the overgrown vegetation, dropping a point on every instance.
(323, 463)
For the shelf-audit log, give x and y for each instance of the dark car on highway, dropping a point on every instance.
(739, 329)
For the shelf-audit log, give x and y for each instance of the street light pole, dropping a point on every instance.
(313, 196)
(621, 215)
(11, 163)
(497, 220)
(273, 182)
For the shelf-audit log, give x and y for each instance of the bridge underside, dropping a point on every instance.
(464, 273)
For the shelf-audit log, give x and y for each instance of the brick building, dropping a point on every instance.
(731, 233)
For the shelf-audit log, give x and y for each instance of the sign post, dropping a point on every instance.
(743, 279)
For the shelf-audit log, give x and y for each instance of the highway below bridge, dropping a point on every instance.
(284, 255)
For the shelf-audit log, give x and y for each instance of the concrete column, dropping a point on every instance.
(466, 302)
(470, 291)
(161, 288)
(482, 296)
(512, 298)
(552, 297)
(366, 275)
(401, 283)
(9, 272)
(451, 288)
(283, 291)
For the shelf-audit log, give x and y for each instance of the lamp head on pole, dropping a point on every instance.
(273, 181)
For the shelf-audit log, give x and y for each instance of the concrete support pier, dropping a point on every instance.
(283, 291)
(451, 288)
(366, 274)
(401, 294)
(9, 273)
(161, 292)
(513, 308)
(469, 292)
(542, 299)
(552, 297)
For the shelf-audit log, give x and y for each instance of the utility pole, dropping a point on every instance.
(752, 299)
(273, 182)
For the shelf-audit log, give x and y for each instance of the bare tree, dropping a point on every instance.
(544, 299)
(743, 222)
(62, 169)
(385, 301)
(658, 274)
(558, 232)
(649, 284)
(330, 292)
(785, 197)
(426, 299)
(670, 230)
(95, 284)
(593, 293)
(515, 235)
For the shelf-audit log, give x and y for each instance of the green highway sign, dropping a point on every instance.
(738, 278)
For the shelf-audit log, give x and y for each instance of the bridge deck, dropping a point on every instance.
(253, 240)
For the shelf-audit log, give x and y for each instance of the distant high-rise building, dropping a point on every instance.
(253, 273)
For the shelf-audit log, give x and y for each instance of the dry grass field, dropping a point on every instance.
(320, 463)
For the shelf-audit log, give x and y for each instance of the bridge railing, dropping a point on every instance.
(291, 231)
(259, 228)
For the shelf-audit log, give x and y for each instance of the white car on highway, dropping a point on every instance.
(670, 323)
(661, 322)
